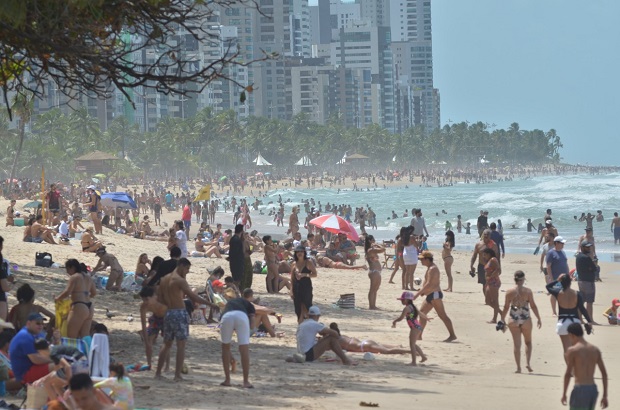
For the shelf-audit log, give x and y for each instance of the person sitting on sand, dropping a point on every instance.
(84, 395)
(119, 387)
(116, 270)
(611, 314)
(142, 268)
(262, 314)
(306, 338)
(333, 253)
(74, 225)
(353, 345)
(89, 242)
(20, 312)
(204, 251)
(28, 230)
(41, 233)
(154, 324)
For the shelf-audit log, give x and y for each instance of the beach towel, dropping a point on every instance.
(79, 344)
(62, 313)
(99, 356)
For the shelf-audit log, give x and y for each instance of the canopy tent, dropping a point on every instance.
(357, 156)
(483, 160)
(95, 163)
(304, 161)
(118, 200)
(260, 161)
(343, 160)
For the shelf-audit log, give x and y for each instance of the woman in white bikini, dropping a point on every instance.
(372, 251)
(519, 301)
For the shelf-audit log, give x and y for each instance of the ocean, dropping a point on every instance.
(512, 201)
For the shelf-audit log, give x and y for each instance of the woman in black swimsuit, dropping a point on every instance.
(80, 289)
(302, 270)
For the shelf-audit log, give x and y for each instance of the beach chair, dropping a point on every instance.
(389, 256)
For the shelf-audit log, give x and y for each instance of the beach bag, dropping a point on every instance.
(43, 259)
(346, 301)
(36, 397)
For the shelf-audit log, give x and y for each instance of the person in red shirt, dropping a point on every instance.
(52, 202)
(187, 217)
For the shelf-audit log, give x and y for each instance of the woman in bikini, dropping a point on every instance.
(142, 269)
(492, 271)
(351, 344)
(372, 251)
(519, 301)
(92, 204)
(80, 289)
(325, 262)
(89, 242)
(447, 257)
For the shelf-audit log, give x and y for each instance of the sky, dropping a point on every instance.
(541, 63)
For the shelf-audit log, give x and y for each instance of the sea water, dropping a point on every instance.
(512, 201)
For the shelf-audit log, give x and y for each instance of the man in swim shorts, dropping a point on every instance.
(176, 320)
(581, 361)
(431, 288)
(306, 338)
(485, 242)
(615, 228)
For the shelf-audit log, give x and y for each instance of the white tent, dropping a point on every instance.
(260, 161)
(304, 161)
(483, 160)
(343, 160)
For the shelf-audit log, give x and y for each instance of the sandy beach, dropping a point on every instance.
(476, 371)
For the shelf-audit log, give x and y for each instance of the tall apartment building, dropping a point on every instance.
(366, 50)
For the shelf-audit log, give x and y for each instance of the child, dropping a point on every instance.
(120, 387)
(411, 313)
(612, 313)
(155, 321)
(468, 228)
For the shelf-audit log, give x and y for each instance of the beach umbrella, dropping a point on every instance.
(335, 224)
(267, 173)
(223, 179)
(102, 176)
(118, 200)
(95, 180)
(33, 204)
(258, 174)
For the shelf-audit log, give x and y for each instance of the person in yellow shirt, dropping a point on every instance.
(612, 313)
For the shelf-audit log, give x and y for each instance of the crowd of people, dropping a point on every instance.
(168, 305)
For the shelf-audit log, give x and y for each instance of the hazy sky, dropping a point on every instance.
(544, 64)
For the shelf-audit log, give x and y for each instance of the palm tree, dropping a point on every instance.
(22, 107)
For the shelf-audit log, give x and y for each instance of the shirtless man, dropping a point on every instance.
(293, 222)
(271, 250)
(615, 228)
(83, 394)
(155, 321)
(431, 288)
(171, 290)
(89, 242)
(116, 270)
(10, 214)
(548, 232)
(485, 242)
(581, 361)
(74, 225)
(41, 233)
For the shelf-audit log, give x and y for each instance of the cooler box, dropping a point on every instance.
(18, 221)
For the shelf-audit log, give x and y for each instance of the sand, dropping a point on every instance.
(476, 371)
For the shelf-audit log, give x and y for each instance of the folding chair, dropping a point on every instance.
(389, 256)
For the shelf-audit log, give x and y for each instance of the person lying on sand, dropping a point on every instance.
(351, 344)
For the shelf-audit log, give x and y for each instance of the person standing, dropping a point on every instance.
(186, 217)
(418, 223)
(484, 243)
(303, 270)
(448, 259)
(236, 256)
(92, 204)
(498, 238)
(170, 292)
(52, 203)
(372, 251)
(519, 301)
(4, 283)
(181, 237)
(586, 273)
(238, 317)
(557, 263)
(431, 288)
(581, 361)
(10, 214)
(615, 228)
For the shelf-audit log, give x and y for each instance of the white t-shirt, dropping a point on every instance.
(63, 229)
(306, 334)
(182, 243)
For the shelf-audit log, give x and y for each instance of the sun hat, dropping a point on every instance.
(314, 311)
(559, 239)
(406, 296)
(217, 283)
(91, 187)
(616, 302)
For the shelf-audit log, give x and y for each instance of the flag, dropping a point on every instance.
(204, 194)
(43, 193)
